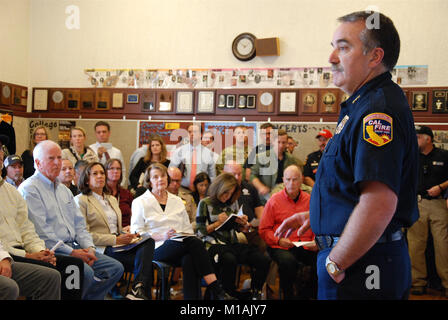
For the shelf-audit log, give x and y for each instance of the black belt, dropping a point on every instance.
(324, 242)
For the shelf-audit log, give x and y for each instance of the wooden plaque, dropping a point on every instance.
(419, 101)
(149, 101)
(102, 98)
(6, 94)
(309, 101)
(57, 99)
(165, 101)
(73, 99)
(328, 101)
(439, 101)
(265, 101)
(88, 99)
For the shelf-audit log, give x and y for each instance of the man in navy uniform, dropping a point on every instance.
(366, 185)
(313, 159)
(432, 183)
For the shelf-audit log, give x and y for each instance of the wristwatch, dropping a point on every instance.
(332, 267)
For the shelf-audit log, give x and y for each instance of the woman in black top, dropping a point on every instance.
(156, 153)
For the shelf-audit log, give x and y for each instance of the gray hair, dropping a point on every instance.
(41, 149)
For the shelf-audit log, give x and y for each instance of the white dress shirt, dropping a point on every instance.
(149, 218)
(114, 153)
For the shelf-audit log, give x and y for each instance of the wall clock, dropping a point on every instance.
(243, 46)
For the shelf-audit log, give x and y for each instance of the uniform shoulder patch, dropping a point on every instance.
(377, 129)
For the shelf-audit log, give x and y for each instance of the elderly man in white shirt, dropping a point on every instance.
(104, 149)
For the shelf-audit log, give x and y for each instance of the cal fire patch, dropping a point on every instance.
(378, 129)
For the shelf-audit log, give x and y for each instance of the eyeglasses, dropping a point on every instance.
(40, 134)
(114, 168)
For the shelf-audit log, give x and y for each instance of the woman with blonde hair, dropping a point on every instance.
(40, 133)
(224, 248)
(78, 150)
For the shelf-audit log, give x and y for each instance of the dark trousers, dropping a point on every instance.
(139, 260)
(227, 257)
(192, 256)
(384, 272)
(71, 283)
(289, 263)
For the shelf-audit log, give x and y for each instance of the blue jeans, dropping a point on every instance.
(101, 277)
(384, 272)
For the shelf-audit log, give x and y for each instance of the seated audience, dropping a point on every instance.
(288, 257)
(200, 185)
(103, 218)
(156, 153)
(27, 279)
(162, 215)
(193, 158)
(39, 134)
(103, 148)
(78, 150)
(224, 248)
(114, 175)
(267, 172)
(67, 175)
(53, 211)
(174, 188)
(22, 242)
(14, 170)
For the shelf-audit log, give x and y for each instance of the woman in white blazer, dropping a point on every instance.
(103, 219)
(163, 216)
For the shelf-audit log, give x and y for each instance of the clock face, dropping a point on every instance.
(58, 96)
(243, 46)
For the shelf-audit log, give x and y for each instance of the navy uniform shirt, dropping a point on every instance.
(433, 170)
(311, 165)
(375, 140)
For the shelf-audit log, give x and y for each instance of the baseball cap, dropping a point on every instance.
(4, 139)
(12, 160)
(324, 133)
(425, 130)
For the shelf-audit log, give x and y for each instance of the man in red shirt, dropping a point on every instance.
(283, 251)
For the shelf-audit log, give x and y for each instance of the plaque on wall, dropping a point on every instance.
(251, 101)
(6, 94)
(149, 101)
(308, 102)
(419, 101)
(73, 99)
(242, 101)
(20, 96)
(222, 101)
(165, 101)
(184, 102)
(87, 99)
(344, 96)
(230, 101)
(57, 101)
(102, 99)
(206, 101)
(328, 102)
(132, 98)
(265, 101)
(439, 101)
(288, 102)
(40, 99)
(117, 100)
